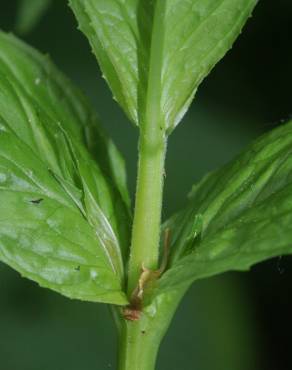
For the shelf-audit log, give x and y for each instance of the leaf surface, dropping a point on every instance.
(29, 13)
(64, 214)
(159, 50)
(237, 216)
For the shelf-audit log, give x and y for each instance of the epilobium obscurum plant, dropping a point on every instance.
(66, 220)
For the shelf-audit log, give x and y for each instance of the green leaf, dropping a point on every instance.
(159, 51)
(29, 13)
(64, 216)
(244, 212)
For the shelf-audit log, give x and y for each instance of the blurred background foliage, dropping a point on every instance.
(233, 322)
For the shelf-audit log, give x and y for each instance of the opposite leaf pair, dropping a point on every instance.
(65, 215)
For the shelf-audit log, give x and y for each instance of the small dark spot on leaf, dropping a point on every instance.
(36, 201)
(143, 331)
(77, 268)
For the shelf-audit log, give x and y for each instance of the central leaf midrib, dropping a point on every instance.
(153, 96)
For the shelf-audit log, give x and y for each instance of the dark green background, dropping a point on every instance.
(233, 322)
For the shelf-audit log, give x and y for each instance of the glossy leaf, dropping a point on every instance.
(159, 50)
(64, 220)
(237, 216)
(29, 13)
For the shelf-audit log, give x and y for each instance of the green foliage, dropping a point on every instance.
(65, 209)
(29, 14)
(63, 182)
(158, 52)
(244, 212)
(65, 212)
(64, 222)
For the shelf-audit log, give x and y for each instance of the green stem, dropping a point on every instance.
(147, 218)
(137, 349)
(152, 150)
(140, 340)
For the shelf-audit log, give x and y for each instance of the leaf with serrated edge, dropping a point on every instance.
(245, 210)
(175, 42)
(49, 173)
